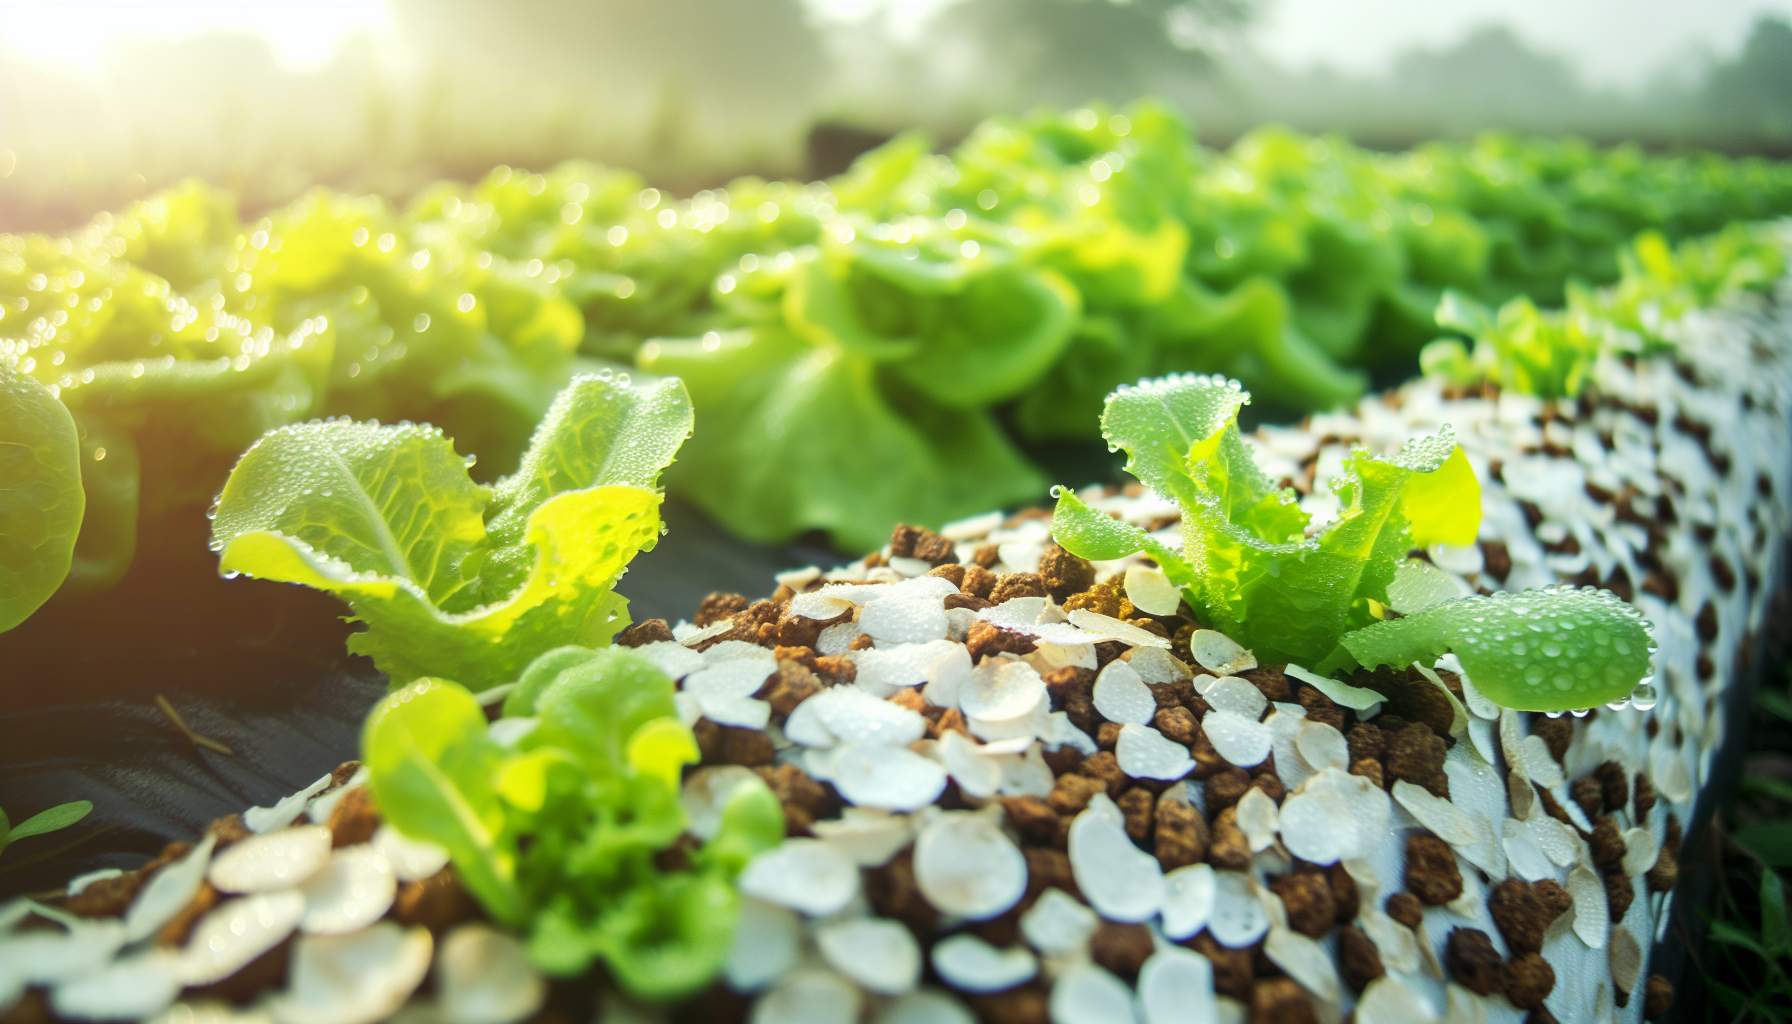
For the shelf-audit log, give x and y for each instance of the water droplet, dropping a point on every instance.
(1644, 697)
(1057, 491)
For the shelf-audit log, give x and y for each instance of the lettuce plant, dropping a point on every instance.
(448, 576)
(41, 502)
(561, 831)
(1252, 565)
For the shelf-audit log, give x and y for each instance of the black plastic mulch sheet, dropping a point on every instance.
(259, 667)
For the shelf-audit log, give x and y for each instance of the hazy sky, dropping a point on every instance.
(1613, 42)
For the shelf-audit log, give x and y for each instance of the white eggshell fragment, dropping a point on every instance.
(969, 964)
(1592, 919)
(236, 932)
(1057, 923)
(809, 995)
(1334, 816)
(484, 976)
(283, 812)
(272, 861)
(887, 778)
(1120, 695)
(1449, 822)
(1188, 900)
(879, 954)
(1106, 627)
(132, 988)
(168, 892)
(412, 860)
(803, 874)
(1231, 693)
(1257, 819)
(1176, 985)
(1356, 698)
(1386, 1000)
(1122, 882)
(767, 938)
(353, 890)
(1145, 753)
(353, 979)
(1243, 741)
(1306, 961)
(1238, 918)
(1086, 993)
(52, 955)
(924, 1006)
(1150, 591)
(966, 866)
(1220, 654)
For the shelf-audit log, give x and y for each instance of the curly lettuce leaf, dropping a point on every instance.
(1250, 565)
(41, 501)
(1553, 649)
(388, 519)
(793, 436)
(968, 327)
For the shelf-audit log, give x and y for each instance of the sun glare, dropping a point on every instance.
(78, 34)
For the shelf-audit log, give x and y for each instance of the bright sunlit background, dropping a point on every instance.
(101, 100)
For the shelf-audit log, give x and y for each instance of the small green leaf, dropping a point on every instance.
(53, 819)
(433, 773)
(1084, 532)
(1553, 649)
(41, 501)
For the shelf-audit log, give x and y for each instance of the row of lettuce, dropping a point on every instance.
(565, 820)
(879, 347)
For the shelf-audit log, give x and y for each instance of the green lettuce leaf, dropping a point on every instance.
(431, 769)
(388, 519)
(41, 502)
(793, 436)
(1554, 649)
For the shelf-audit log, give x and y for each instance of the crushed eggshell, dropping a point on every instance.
(969, 964)
(1122, 882)
(965, 865)
(271, 861)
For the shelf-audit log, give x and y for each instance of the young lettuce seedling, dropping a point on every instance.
(558, 829)
(1251, 566)
(451, 578)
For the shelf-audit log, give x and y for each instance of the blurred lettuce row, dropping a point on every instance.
(176, 334)
(1550, 352)
(873, 348)
(877, 347)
